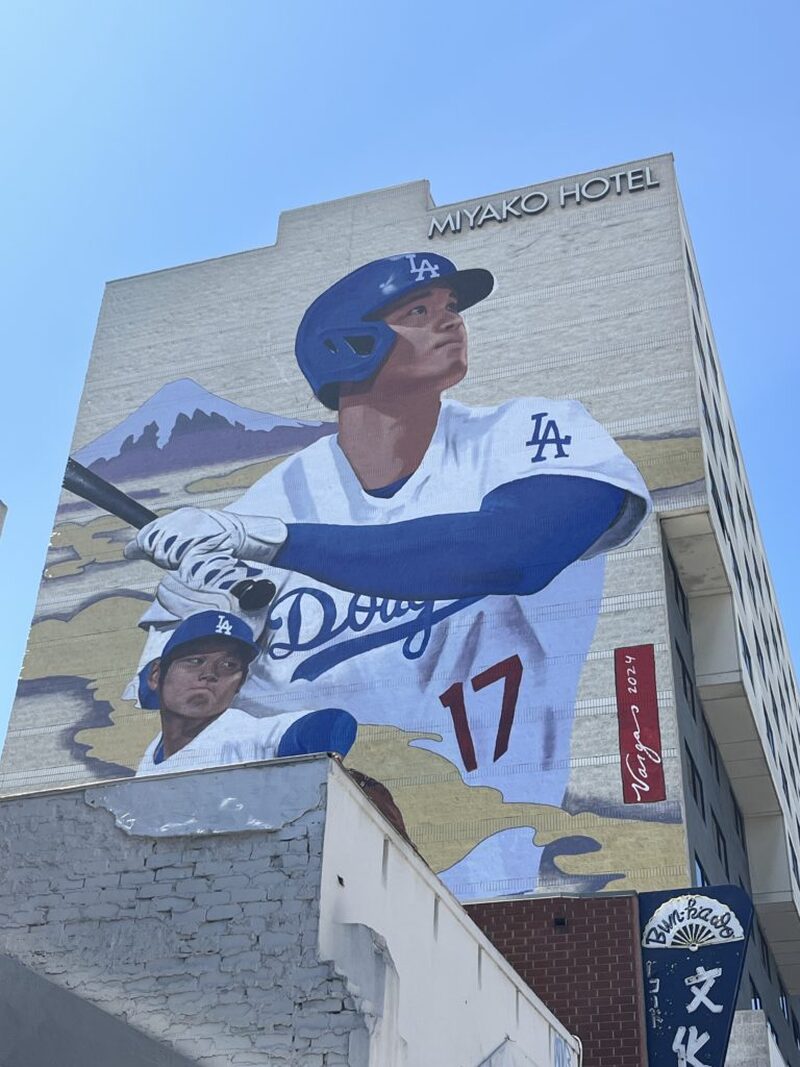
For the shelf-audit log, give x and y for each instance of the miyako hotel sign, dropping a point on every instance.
(536, 201)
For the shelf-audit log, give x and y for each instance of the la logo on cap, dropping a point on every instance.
(421, 269)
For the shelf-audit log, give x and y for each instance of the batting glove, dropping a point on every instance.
(167, 539)
(205, 583)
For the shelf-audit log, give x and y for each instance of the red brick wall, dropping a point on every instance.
(587, 969)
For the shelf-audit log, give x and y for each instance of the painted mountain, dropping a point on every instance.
(184, 426)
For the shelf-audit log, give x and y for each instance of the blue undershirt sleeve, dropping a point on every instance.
(327, 730)
(525, 533)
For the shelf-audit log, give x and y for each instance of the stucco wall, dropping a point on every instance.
(208, 943)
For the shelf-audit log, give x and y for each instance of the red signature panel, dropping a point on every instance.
(639, 733)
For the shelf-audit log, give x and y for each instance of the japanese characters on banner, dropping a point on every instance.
(693, 948)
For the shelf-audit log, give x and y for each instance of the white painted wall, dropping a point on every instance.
(438, 991)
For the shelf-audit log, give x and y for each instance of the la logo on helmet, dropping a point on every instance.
(425, 267)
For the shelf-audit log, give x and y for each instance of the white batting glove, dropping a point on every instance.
(205, 583)
(167, 539)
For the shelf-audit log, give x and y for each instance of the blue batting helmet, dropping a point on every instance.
(342, 338)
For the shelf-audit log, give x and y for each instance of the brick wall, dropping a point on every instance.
(581, 956)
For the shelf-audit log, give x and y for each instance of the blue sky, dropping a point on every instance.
(141, 135)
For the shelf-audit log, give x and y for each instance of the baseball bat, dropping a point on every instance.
(252, 595)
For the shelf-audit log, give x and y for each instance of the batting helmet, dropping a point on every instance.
(342, 338)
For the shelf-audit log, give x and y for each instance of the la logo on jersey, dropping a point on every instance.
(424, 268)
(224, 626)
(549, 435)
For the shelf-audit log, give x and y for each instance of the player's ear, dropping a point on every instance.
(154, 676)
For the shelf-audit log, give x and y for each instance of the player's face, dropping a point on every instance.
(431, 345)
(202, 680)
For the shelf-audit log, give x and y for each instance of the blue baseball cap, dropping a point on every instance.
(342, 337)
(212, 624)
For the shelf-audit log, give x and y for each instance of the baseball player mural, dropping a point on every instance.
(439, 567)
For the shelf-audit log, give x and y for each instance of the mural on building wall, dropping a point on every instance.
(439, 571)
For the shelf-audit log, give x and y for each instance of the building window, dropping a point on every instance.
(700, 876)
(750, 579)
(783, 1000)
(734, 452)
(795, 868)
(775, 643)
(707, 419)
(755, 997)
(692, 278)
(738, 821)
(741, 511)
(696, 783)
(687, 683)
(680, 596)
(795, 1030)
(784, 783)
(711, 747)
(770, 734)
(748, 659)
(758, 578)
(764, 948)
(760, 658)
(765, 637)
(749, 509)
(717, 502)
(711, 358)
(737, 574)
(720, 427)
(728, 497)
(721, 845)
(699, 343)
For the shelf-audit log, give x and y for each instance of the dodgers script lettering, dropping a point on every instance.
(308, 621)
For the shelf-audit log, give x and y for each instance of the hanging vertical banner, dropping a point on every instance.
(639, 732)
(693, 948)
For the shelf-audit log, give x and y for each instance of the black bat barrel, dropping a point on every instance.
(252, 595)
(85, 483)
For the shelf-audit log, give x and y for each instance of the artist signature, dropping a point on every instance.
(642, 754)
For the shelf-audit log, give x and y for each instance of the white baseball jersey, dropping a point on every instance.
(493, 678)
(234, 737)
